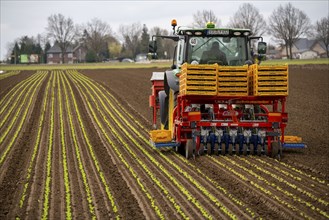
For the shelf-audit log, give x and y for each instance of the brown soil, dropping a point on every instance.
(107, 152)
(7, 83)
(307, 106)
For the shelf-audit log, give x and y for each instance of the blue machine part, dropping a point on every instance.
(294, 145)
(166, 144)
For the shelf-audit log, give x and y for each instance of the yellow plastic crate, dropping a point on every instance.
(292, 139)
(230, 93)
(268, 80)
(233, 80)
(200, 67)
(160, 136)
(233, 84)
(198, 79)
(198, 92)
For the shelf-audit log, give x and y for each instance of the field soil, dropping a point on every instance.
(76, 144)
(307, 107)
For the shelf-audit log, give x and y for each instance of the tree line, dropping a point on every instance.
(286, 25)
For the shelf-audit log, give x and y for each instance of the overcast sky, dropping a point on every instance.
(20, 18)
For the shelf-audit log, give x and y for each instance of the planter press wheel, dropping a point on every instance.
(223, 149)
(230, 149)
(237, 149)
(259, 149)
(275, 149)
(189, 149)
(201, 149)
(252, 149)
(209, 148)
(244, 149)
(216, 148)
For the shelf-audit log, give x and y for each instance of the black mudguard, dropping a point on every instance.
(171, 82)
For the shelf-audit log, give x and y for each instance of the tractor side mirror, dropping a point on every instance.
(262, 48)
(152, 54)
(153, 47)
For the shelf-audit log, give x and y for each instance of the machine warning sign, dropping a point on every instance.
(193, 41)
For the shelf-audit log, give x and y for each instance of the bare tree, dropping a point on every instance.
(62, 31)
(322, 28)
(248, 17)
(201, 18)
(288, 24)
(95, 35)
(131, 38)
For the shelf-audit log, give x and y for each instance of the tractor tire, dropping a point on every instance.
(163, 101)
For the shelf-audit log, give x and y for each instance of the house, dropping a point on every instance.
(273, 54)
(72, 55)
(305, 48)
(79, 54)
(54, 55)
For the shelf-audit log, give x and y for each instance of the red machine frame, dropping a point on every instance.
(183, 120)
(157, 85)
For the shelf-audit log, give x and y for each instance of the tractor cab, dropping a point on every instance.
(229, 47)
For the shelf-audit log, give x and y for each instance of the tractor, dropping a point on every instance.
(217, 98)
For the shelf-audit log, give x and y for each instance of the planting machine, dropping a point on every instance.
(217, 98)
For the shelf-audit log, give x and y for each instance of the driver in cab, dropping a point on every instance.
(214, 55)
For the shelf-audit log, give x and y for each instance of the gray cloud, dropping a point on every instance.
(20, 18)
